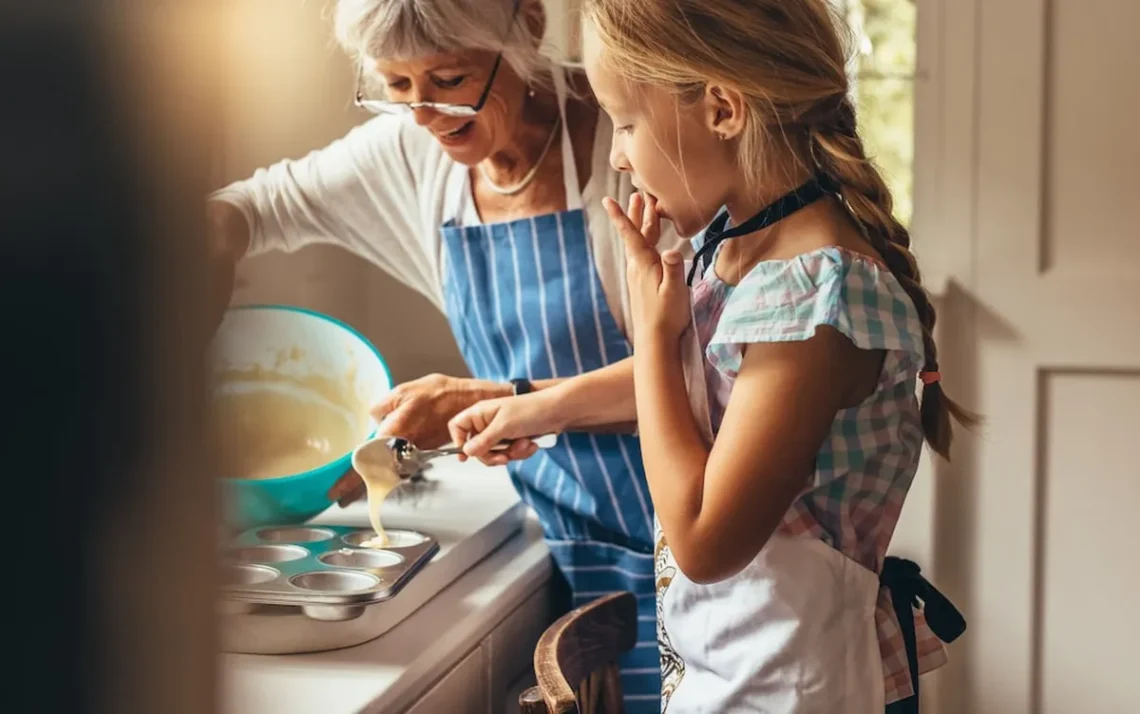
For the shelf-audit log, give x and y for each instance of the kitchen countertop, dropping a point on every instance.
(388, 673)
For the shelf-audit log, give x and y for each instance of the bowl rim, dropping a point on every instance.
(347, 328)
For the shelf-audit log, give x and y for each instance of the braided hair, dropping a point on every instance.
(841, 160)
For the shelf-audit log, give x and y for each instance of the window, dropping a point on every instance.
(883, 72)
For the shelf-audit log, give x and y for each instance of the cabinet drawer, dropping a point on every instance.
(511, 645)
(463, 690)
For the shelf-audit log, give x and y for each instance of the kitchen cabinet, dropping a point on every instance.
(491, 677)
(463, 650)
(463, 690)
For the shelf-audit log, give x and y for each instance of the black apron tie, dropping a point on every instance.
(909, 590)
(806, 194)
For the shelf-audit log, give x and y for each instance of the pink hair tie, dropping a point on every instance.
(930, 377)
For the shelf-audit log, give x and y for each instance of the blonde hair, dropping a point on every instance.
(787, 58)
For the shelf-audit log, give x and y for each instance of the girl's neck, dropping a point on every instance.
(793, 235)
(747, 203)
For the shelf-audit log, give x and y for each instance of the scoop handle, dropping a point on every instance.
(545, 441)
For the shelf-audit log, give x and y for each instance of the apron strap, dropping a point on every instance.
(457, 194)
(569, 166)
(909, 589)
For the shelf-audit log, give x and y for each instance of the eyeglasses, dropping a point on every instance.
(384, 106)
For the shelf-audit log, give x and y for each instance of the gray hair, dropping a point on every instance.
(405, 29)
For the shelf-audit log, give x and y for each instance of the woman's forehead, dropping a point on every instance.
(430, 63)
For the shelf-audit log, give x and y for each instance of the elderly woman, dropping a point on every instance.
(480, 184)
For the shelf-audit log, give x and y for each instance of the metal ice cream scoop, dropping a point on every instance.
(410, 460)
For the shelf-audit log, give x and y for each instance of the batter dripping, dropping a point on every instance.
(377, 468)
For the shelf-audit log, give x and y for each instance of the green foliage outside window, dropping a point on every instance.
(884, 67)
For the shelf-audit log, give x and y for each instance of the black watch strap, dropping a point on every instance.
(522, 386)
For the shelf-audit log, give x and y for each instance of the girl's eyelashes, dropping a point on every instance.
(624, 129)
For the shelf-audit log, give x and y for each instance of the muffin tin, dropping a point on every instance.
(323, 570)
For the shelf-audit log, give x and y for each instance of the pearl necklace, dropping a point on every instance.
(511, 190)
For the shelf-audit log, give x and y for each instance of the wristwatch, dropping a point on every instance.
(521, 386)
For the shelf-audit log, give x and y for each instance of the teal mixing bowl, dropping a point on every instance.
(296, 343)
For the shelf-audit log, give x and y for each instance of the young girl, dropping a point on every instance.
(778, 485)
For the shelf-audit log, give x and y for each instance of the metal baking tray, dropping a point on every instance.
(321, 569)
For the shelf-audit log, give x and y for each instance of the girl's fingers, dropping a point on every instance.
(636, 208)
(635, 246)
(651, 222)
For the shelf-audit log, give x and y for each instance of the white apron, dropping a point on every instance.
(792, 633)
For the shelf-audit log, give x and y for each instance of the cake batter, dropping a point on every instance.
(270, 424)
(377, 468)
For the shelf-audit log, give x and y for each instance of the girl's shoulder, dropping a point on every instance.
(789, 299)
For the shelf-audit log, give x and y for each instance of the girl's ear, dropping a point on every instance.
(725, 111)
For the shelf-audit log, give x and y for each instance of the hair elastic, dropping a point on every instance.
(930, 377)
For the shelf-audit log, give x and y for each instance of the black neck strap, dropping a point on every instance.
(804, 195)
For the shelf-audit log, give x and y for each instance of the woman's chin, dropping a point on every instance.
(464, 154)
(467, 149)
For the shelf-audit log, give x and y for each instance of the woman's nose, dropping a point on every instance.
(424, 116)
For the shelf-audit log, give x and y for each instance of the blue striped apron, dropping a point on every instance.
(524, 300)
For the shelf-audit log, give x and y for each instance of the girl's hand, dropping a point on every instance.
(659, 298)
(418, 411)
(515, 419)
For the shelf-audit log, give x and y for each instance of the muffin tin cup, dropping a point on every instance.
(324, 570)
(294, 534)
(368, 558)
(269, 554)
(397, 539)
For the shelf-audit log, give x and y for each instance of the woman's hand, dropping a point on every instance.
(480, 427)
(659, 298)
(419, 411)
(227, 241)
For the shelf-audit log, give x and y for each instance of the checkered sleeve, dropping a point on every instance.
(787, 301)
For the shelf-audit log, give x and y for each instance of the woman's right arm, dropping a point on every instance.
(228, 241)
(361, 192)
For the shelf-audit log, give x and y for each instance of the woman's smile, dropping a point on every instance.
(457, 135)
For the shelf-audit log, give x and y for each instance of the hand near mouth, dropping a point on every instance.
(659, 298)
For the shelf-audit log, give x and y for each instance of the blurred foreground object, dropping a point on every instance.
(107, 128)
